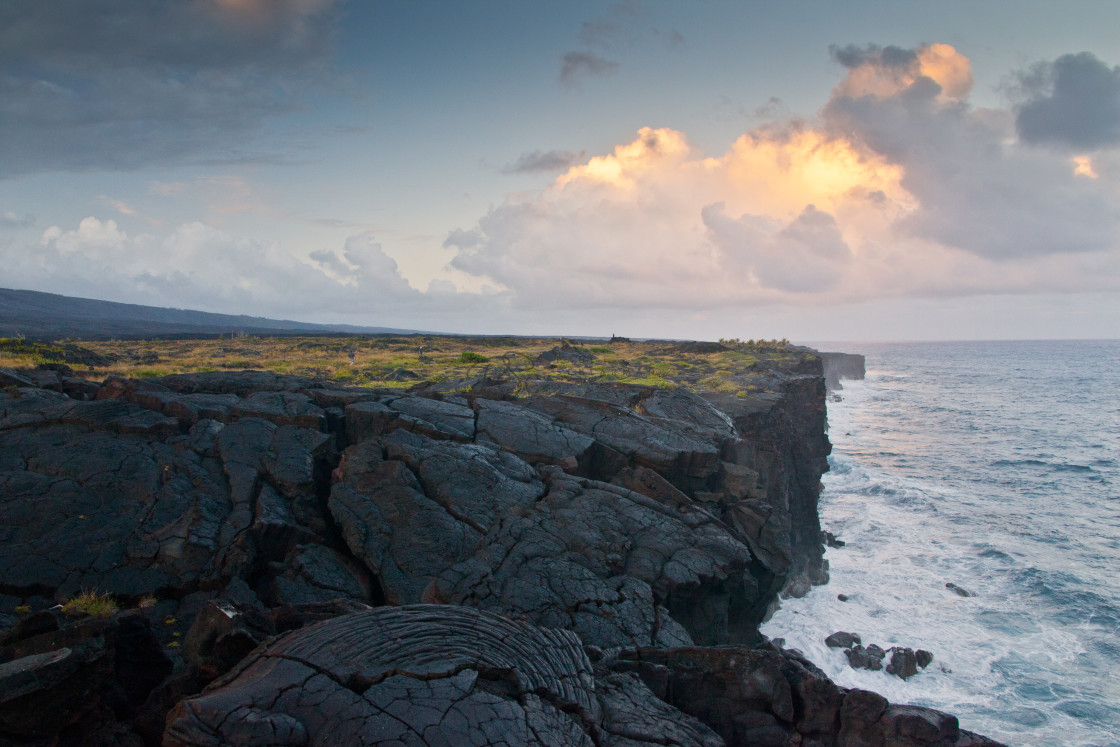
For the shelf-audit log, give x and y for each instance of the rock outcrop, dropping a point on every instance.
(839, 366)
(558, 567)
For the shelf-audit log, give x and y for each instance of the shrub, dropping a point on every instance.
(469, 356)
(149, 373)
(89, 602)
(718, 384)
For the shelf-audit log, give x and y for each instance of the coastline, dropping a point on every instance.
(649, 522)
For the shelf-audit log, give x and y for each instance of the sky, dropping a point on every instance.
(863, 170)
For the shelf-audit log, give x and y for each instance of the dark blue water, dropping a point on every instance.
(994, 466)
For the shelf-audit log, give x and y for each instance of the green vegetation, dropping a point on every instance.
(89, 602)
(733, 367)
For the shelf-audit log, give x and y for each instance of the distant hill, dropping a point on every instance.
(48, 316)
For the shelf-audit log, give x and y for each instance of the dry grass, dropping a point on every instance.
(89, 602)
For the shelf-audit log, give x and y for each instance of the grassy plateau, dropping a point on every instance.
(400, 362)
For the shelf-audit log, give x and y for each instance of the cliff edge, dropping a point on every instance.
(535, 562)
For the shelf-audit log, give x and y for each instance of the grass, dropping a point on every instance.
(89, 602)
(396, 362)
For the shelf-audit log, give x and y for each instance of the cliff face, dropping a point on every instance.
(839, 366)
(526, 557)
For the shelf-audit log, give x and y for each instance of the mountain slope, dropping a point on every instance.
(50, 316)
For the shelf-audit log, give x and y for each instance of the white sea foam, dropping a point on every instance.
(941, 475)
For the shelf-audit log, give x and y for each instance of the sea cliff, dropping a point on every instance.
(468, 562)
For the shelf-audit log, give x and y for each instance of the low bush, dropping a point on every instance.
(89, 602)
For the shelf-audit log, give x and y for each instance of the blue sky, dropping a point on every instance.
(811, 170)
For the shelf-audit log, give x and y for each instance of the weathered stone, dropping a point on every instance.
(241, 383)
(315, 573)
(534, 436)
(718, 686)
(903, 662)
(417, 674)
(910, 725)
(282, 408)
(72, 682)
(448, 417)
(602, 560)
(425, 508)
(224, 633)
(373, 419)
(842, 639)
(12, 379)
(859, 719)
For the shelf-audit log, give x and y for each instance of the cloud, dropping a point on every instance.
(197, 266)
(10, 220)
(120, 84)
(1073, 101)
(882, 72)
(975, 188)
(120, 206)
(900, 187)
(622, 25)
(806, 255)
(578, 65)
(544, 161)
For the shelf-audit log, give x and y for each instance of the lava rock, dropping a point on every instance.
(616, 566)
(842, 639)
(904, 663)
(427, 674)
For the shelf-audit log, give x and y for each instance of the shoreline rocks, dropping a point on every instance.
(903, 663)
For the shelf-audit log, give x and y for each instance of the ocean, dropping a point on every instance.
(994, 466)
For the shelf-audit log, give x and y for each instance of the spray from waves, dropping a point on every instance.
(933, 481)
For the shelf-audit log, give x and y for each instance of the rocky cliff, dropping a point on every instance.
(469, 563)
(839, 366)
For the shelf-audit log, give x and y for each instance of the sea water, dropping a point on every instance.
(994, 466)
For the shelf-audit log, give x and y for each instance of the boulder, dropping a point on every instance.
(903, 663)
(842, 639)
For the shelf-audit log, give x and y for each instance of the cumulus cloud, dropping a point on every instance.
(974, 188)
(120, 84)
(900, 187)
(577, 65)
(1073, 101)
(199, 267)
(886, 71)
(544, 161)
